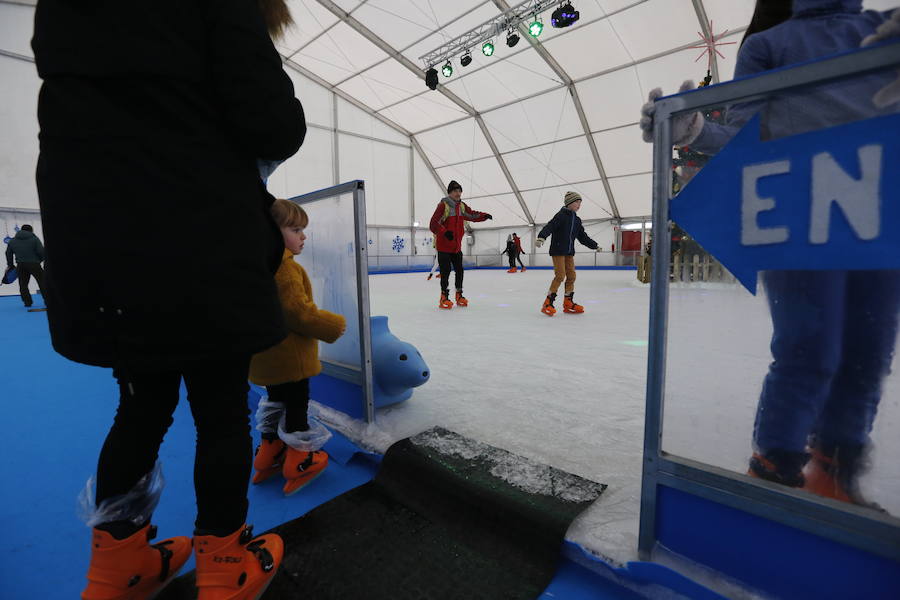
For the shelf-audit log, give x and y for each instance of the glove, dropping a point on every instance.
(889, 94)
(488, 217)
(685, 127)
(448, 235)
(539, 242)
(598, 249)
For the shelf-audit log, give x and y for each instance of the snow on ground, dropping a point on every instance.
(568, 391)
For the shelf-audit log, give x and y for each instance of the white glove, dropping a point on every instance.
(598, 249)
(539, 242)
(889, 94)
(685, 127)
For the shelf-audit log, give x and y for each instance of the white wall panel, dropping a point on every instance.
(427, 192)
(624, 152)
(16, 27)
(546, 203)
(19, 85)
(316, 100)
(613, 99)
(385, 169)
(553, 164)
(307, 171)
(478, 178)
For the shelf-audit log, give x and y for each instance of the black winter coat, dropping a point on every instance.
(160, 246)
(565, 227)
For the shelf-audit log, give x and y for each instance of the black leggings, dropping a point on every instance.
(446, 260)
(295, 397)
(217, 392)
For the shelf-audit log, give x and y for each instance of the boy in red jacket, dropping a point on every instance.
(447, 225)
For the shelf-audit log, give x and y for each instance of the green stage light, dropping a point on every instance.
(535, 28)
(488, 48)
(447, 69)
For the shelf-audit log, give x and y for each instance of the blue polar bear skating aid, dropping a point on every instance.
(397, 366)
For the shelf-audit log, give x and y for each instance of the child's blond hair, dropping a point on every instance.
(289, 214)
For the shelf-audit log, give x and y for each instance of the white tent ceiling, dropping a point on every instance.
(524, 126)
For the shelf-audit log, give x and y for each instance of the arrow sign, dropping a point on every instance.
(828, 199)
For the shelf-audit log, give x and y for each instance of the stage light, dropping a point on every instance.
(431, 78)
(447, 69)
(466, 59)
(488, 48)
(535, 28)
(564, 16)
(512, 39)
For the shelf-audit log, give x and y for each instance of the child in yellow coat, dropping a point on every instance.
(290, 443)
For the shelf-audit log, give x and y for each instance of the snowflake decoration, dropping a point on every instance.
(399, 244)
(710, 45)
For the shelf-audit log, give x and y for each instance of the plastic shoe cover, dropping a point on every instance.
(136, 506)
(132, 568)
(306, 441)
(268, 414)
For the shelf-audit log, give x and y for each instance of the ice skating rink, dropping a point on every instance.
(569, 390)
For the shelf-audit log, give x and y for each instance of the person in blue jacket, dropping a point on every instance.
(834, 331)
(565, 227)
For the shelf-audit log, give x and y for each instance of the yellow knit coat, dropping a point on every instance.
(297, 356)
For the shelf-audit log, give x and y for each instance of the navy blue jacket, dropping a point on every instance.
(565, 227)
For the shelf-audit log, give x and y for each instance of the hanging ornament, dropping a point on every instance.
(710, 46)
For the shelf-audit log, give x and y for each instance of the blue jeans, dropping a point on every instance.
(832, 346)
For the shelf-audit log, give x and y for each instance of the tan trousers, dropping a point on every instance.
(563, 268)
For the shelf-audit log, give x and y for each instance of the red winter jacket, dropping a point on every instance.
(450, 215)
(519, 245)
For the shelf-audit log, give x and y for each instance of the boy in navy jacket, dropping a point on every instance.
(565, 227)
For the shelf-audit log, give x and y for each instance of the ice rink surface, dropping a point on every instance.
(568, 391)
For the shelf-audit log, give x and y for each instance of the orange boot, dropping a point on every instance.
(548, 308)
(237, 566)
(268, 459)
(132, 568)
(522, 269)
(570, 307)
(834, 473)
(461, 300)
(445, 302)
(301, 467)
(512, 270)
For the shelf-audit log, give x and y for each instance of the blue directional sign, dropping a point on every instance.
(828, 199)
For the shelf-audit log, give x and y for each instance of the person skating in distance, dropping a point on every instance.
(448, 227)
(565, 227)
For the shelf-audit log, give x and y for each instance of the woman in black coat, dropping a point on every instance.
(160, 248)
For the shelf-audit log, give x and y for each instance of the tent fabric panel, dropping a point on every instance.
(623, 152)
(310, 20)
(339, 53)
(478, 178)
(656, 26)
(612, 100)
(504, 208)
(634, 194)
(539, 120)
(355, 120)
(589, 49)
(455, 143)
(384, 84)
(494, 84)
(424, 112)
(426, 191)
(552, 164)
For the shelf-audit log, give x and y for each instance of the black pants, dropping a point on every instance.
(217, 392)
(25, 272)
(295, 397)
(512, 260)
(446, 260)
(519, 258)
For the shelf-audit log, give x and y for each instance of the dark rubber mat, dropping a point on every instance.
(445, 518)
